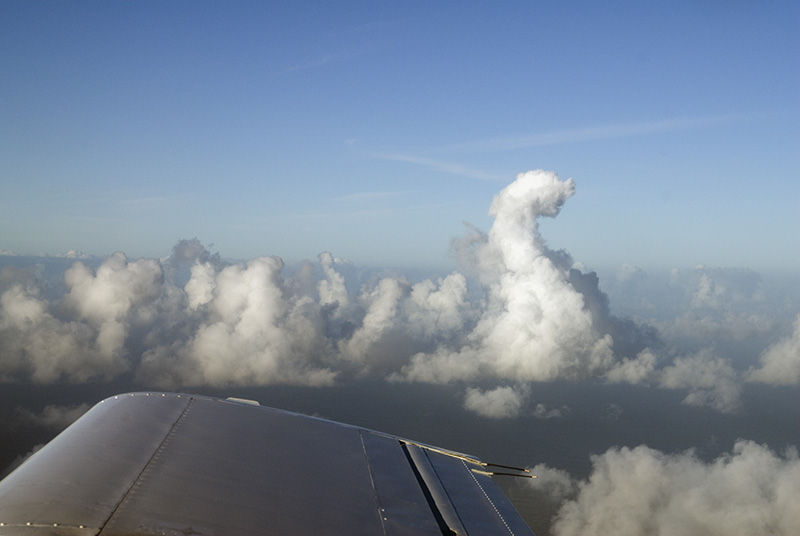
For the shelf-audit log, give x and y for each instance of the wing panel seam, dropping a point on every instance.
(147, 465)
(491, 502)
(372, 482)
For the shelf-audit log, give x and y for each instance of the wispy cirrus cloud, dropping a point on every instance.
(440, 165)
(368, 205)
(151, 203)
(356, 205)
(365, 196)
(592, 133)
(553, 137)
(321, 61)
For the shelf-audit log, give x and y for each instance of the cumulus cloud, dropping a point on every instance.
(192, 319)
(35, 342)
(248, 331)
(710, 380)
(629, 272)
(635, 370)
(556, 484)
(110, 299)
(711, 304)
(716, 288)
(536, 325)
(543, 411)
(633, 492)
(332, 289)
(780, 363)
(517, 311)
(497, 403)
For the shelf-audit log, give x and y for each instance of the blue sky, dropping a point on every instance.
(374, 130)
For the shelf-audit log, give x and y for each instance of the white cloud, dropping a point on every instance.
(400, 320)
(35, 344)
(535, 324)
(112, 298)
(516, 312)
(601, 132)
(628, 272)
(332, 289)
(542, 411)
(711, 381)
(557, 484)
(250, 332)
(780, 363)
(496, 403)
(634, 370)
(641, 491)
(380, 331)
(200, 287)
(438, 165)
(114, 290)
(724, 288)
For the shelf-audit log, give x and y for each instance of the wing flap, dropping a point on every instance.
(398, 500)
(479, 502)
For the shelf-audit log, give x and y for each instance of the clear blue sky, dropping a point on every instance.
(374, 130)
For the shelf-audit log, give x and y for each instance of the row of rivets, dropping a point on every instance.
(116, 397)
(31, 524)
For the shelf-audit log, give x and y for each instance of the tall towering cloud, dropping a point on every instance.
(535, 325)
(332, 289)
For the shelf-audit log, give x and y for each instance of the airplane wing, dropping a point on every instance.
(172, 464)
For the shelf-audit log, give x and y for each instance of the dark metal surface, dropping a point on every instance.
(153, 463)
(76, 481)
(481, 506)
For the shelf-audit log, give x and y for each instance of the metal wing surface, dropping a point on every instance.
(169, 464)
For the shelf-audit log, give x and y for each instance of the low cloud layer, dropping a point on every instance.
(248, 329)
(710, 380)
(515, 312)
(497, 403)
(73, 340)
(633, 492)
(54, 417)
(780, 363)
